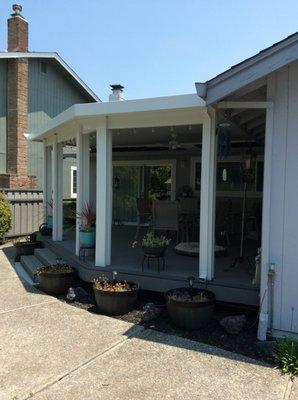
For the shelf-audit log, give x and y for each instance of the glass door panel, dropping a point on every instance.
(125, 192)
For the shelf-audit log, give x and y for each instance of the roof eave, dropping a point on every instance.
(59, 60)
(251, 70)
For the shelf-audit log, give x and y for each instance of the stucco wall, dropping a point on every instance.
(283, 226)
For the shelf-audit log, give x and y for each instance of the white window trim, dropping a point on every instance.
(72, 194)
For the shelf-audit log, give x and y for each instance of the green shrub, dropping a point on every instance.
(5, 215)
(286, 356)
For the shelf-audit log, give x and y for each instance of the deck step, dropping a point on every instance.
(31, 265)
(46, 256)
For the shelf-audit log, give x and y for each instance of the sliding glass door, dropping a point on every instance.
(150, 180)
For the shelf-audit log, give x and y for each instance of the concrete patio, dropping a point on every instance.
(50, 350)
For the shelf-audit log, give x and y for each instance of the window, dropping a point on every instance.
(43, 67)
(73, 182)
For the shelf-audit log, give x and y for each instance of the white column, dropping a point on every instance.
(47, 183)
(83, 179)
(103, 197)
(266, 214)
(57, 185)
(208, 187)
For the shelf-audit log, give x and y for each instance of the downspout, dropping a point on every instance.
(271, 276)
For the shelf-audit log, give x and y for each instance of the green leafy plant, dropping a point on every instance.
(150, 240)
(285, 355)
(5, 215)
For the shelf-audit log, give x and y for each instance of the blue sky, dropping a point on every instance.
(153, 47)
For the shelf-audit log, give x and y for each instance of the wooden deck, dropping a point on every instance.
(232, 285)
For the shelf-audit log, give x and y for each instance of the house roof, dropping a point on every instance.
(250, 70)
(60, 62)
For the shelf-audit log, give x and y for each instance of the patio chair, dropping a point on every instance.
(143, 213)
(189, 205)
(165, 216)
(189, 219)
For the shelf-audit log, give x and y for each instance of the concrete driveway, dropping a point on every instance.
(50, 350)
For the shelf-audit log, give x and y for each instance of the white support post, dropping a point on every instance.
(104, 178)
(83, 178)
(47, 183)
(57, 184)
(208, 187)
(266, 216)
(86, 168)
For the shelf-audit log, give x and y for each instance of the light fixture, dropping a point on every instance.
(173, 143)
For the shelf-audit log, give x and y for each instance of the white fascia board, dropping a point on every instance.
(77, 111)
(49, 127)
(56, 57)
(140, 105)
(253, 69)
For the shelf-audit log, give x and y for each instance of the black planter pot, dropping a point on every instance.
(56, 283)
(190, 315)
(26, 248)
(116, 303)
(154, 251)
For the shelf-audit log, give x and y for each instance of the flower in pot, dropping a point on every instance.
(190, 308)
(56, 279)
(114, 297)
(87, 227)
(26, 247)
(153, 245)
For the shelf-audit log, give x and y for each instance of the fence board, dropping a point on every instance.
(27, 211)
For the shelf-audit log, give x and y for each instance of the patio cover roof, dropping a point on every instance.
(152, 110)
(250, 70)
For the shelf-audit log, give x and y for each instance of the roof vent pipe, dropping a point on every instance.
(117, 93)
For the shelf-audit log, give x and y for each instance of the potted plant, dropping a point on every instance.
(114, 297)
(153, 245)
(56, 279)
(190, 308)
(87, 226)
(26, 247)
(46, 228)
(49, 214)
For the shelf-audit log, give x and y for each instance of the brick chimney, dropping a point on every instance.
(17, 30)
(17, 105)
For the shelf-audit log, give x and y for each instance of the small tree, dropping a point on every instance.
(5, 215)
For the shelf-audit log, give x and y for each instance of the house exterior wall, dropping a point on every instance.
(49, 94)
(283, 238)
(3, 108)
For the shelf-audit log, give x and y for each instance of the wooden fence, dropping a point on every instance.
(27, 210)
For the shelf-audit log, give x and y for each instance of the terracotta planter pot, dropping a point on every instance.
(56, 283)
(190, 315)
(26, 248)
(115, 303)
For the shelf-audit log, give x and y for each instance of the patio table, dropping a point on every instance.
(192, 249)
